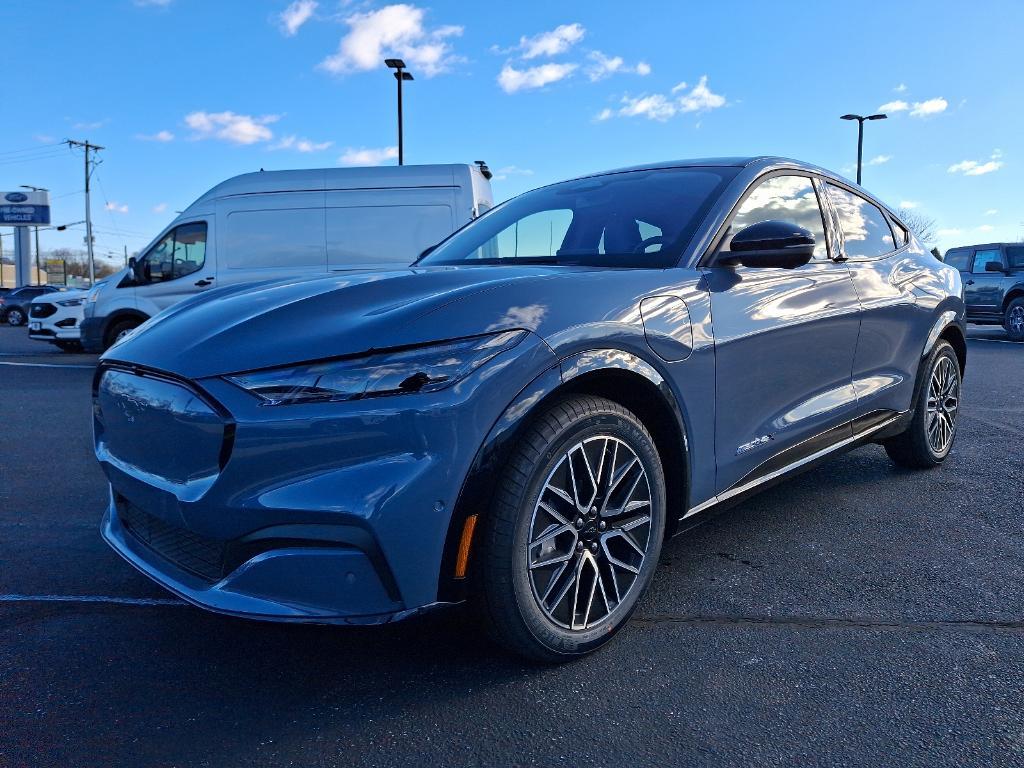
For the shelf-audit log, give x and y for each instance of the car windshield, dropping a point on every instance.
(629, 219)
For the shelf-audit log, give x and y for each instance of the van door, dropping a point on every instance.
(368, 229)
(177, 266)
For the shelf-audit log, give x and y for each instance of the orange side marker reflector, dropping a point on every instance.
(464, 544)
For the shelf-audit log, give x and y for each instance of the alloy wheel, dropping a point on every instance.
(943, 402)
(1016, 320)
(15, 317)
(590, 532)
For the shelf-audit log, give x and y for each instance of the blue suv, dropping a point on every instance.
(993, 277)
(521, 417)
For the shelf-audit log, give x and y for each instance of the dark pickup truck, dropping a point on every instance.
(993, 277)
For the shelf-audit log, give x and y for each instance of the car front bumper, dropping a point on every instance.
(328, 512)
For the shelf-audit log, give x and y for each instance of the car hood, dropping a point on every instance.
(54, 296)
(277, 323)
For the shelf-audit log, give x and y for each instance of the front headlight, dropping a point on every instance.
(416, 369)
(71, 302)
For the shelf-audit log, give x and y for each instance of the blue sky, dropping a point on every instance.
(185, 93)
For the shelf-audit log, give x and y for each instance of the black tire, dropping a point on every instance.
(15, 316)
(913, 448)
(1013, 319)
(506, 588)
(118, 328)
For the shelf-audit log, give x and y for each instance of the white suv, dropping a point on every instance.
(57, 318)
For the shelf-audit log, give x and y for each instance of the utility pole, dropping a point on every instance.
(88, 215)
(36, 189)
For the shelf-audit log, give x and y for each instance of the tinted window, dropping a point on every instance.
(981, 258)
(1015, 253)
(866, 232)
(288, 237)
(783, 198)
(631, 219)
(959, 259)
(180, 252)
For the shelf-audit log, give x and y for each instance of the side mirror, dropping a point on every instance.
(770, 244)
(994, 266)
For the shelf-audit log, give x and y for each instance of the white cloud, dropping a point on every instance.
(901, 88)
(701, 99)
(159, 207)
(879, 159)
(985, 228)
(364, 156)
(951, 232)
(295, 15)
(394, 30)
(929, 107)
(87, 125)
(302, 145)
(978, 167)
(558, 40)
(658, 106)
(511, 79)
(602, 66)
(909, 204)
(116, 207)
(991, 211)
(238, 129)
(511, 170)
(158, 136)
(894, 106)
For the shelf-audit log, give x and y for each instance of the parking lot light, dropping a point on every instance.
(860, 134)
(401, 75)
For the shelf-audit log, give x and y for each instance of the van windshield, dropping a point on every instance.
(629, 219)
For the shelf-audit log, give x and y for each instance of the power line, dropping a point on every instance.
(36, 148)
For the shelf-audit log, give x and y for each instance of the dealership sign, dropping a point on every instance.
(19, 209)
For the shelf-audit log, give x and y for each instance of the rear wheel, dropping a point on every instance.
(1013, 320)
(15, 316)
(575, 532)
(118, 331)
(929, 438)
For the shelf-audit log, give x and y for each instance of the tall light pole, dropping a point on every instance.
(36, 189)
(860, 135)
(400, 75)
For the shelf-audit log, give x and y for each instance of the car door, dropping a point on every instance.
(175, 267)
(986, 288)
(784, 343)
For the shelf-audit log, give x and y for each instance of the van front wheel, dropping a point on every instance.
(118, 331)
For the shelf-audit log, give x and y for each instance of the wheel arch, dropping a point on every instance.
(613, 374)
(118, 315)
(1016, 292)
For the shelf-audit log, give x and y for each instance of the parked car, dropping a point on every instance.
(57, 318)
(14, 305)
(522, 416)
(993, 276)
(274, 224)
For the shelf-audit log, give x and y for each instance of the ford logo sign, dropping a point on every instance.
(15, 197)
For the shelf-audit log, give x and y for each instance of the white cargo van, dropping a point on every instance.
(275, 224)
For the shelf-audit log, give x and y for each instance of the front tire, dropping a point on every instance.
(574, 533)
(118, 331)
(15, 317)
(929, 437)
(1013, 320)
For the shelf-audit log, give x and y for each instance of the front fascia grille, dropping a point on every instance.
(199, 555)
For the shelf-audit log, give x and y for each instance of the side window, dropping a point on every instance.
(180, 252)
(1016, 256)
(866, 232)
(784, 198)
(284, 237)
(899, 232)
(959, 260)
(981, 258)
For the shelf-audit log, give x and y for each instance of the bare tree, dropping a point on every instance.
(923, 226)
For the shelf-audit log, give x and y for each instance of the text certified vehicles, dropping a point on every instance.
(521, 417)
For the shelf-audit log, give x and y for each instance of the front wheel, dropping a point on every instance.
(118, 331)
(15, 317)
(575, 531)
(929, 438)
(1013, 320)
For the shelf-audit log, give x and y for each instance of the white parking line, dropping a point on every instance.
(90, 599)
(996, 341)
(47, 365)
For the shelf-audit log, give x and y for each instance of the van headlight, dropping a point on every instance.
(426, 368)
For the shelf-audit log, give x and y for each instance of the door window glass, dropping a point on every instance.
(959, 260)
(981, 258)
(1016, 256)
(783, 198)
(180, 252)
(866, 232)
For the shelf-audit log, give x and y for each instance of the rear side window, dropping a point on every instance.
(866, 232)
(286, 237)
(899, 232)
(1015, 254)
(959, 259)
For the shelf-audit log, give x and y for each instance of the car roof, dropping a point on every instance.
(984, 245)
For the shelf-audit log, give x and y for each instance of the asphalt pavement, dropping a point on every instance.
(856, 615)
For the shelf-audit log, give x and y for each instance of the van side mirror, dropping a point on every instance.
(994, 266)
(770, 243)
